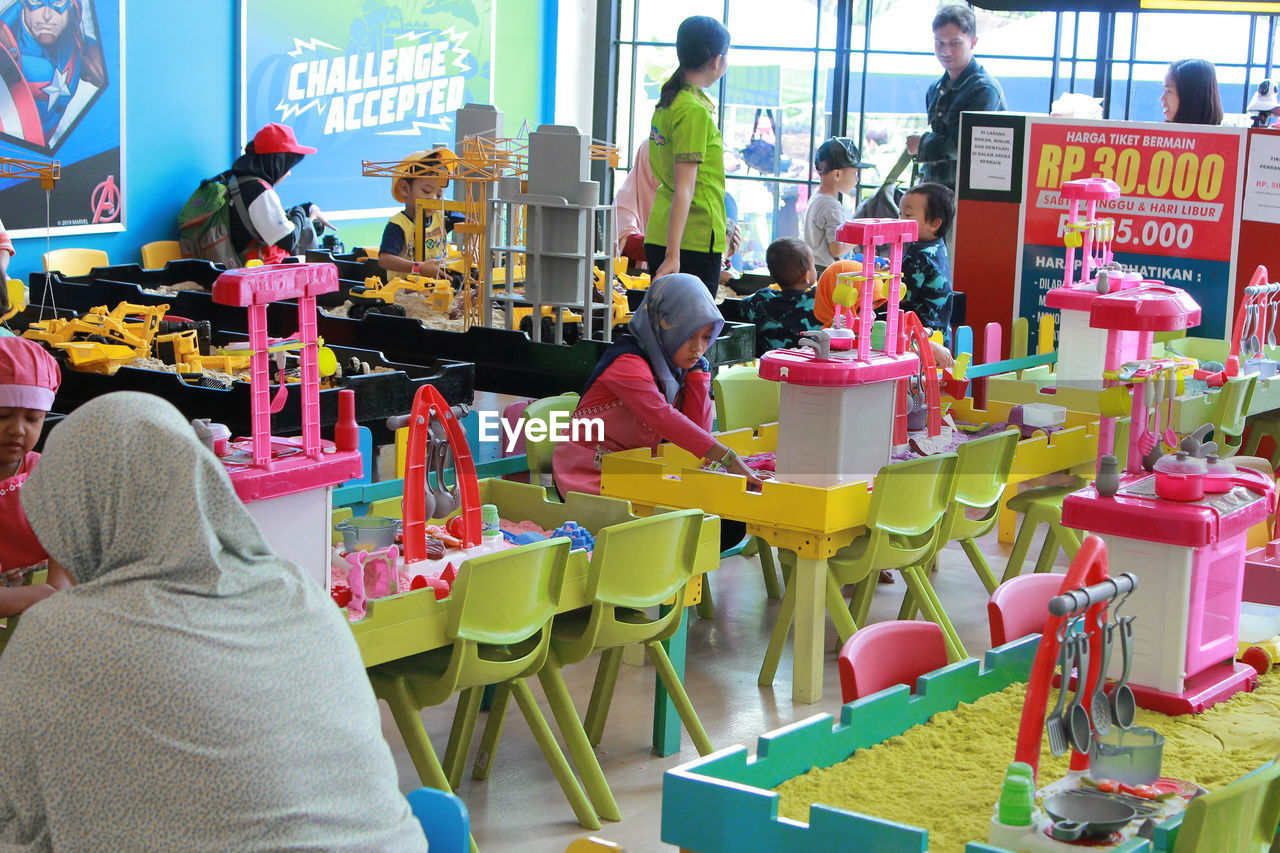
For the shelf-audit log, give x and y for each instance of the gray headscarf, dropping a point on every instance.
(194, 691)
(674, 308)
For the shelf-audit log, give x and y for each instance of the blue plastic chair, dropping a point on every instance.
(444, 820)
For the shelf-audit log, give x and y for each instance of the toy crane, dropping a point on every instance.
(13, 297)
(483, 158)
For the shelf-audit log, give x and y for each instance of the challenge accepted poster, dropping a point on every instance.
(60, 101)
(361, 80)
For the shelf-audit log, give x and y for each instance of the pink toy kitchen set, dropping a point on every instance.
(834, 385)
(286, 482)
(1184, 542)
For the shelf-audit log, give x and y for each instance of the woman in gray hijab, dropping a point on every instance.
(193, 691)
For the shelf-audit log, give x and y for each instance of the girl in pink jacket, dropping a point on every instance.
(651, 385)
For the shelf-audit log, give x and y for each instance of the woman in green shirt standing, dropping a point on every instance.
(686, 230)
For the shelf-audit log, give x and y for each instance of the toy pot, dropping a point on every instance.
(1180, 477)
(1129, 756)
(1218, 478)
(367, 533)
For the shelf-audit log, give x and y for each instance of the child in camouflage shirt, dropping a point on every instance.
(926, 268)
(781, 316)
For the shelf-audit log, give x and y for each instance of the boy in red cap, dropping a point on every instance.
(261, 228)
(29, 378)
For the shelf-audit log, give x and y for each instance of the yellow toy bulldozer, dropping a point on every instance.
(381, 298)
(100, 341)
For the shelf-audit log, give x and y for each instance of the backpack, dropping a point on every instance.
(204, 223)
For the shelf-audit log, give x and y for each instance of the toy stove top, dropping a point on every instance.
(1136, 512)
(841, 369)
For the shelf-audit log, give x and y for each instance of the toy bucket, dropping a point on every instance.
(368, 533)
(1129, 756)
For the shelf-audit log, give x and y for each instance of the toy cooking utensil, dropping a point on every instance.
(1099, 708)
(1054, 725)
(1171, 437)
(1151, 438)
(444, 500)
(1078, 726)
(1123, 705)
(428, 496)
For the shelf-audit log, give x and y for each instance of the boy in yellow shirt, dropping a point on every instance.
(430, 172)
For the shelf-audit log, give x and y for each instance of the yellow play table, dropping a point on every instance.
(812, 521)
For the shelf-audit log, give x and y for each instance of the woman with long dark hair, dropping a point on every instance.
(1191, 93)
(686, 229)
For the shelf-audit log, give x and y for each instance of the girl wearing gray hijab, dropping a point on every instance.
(651, 385)
(193, 691)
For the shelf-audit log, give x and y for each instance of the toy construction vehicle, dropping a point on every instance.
(100, 341)
(377, 297)
(15, 299)
(639, 281)
(522, 317)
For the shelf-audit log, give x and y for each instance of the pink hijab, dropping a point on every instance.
(635, 197)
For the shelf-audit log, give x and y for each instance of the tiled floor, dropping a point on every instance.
(520, 807)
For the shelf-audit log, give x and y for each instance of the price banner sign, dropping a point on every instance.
(1175, 220)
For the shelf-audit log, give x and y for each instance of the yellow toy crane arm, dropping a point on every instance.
(47, 173)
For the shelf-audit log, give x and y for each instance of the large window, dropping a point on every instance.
(805, 70)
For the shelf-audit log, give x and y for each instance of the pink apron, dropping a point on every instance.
(19, 547)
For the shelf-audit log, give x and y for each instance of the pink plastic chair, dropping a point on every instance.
(511, 417)
(1020, 606)
(887, 653)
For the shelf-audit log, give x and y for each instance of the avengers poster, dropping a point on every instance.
(61, 101)
(361, 80)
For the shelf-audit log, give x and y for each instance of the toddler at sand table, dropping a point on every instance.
(781, 317)
(926, 268)
(29, 378)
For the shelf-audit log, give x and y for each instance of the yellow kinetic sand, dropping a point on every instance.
(945, 775)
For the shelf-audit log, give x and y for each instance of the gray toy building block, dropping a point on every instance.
(476, 120)
(560, 164)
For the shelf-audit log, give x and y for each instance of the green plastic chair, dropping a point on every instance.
(1241, 817)
(982, 474)
(500, 625)
(538, 453)
(624, 580)
(745, 400)
(1230, 416)
(1041, 505)
(908, 502)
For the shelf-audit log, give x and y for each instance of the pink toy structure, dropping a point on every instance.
(1189, 554)
(1255, 323)
(828, 432)
(382, 566)
(428, 406)
(1081, 344)
(285, 482)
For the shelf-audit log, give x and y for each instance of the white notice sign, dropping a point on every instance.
(1262, 179)
(991, 159)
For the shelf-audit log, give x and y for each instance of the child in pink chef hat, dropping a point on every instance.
(29, 378)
